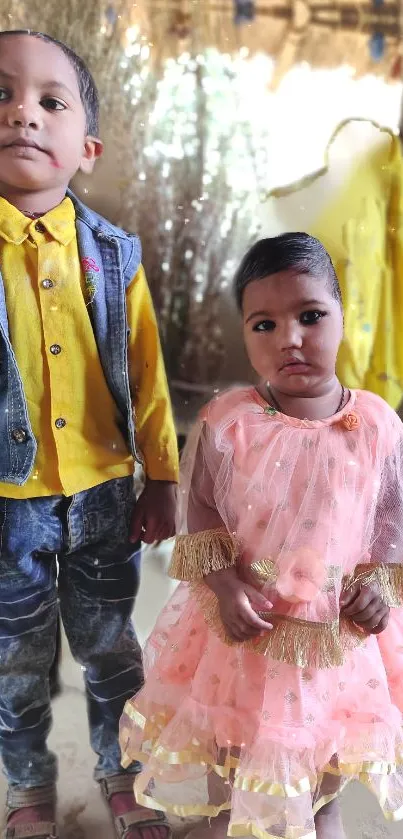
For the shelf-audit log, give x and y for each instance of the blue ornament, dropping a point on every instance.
(377, 46)
(111, 15)
(244, 11)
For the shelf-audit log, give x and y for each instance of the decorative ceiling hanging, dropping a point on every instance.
(244, 11)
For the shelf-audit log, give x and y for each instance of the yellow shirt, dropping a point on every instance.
(56, 352)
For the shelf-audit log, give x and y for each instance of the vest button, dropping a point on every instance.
(60, 422)
(19, 435)
(55, 349)
(47, 284)
(39, 227)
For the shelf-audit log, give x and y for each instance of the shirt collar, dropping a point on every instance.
(59, 223)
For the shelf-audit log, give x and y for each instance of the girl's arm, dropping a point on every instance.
(384, 570)
(205, 544)
(207, 551)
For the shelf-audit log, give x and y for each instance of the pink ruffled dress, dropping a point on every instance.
(272, 730)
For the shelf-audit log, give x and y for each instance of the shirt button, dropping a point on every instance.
(60, 423)
(55, 349)
(19, 435)
(39, 227)
(47, 284)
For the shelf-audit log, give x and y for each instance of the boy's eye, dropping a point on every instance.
(264, 326)
(3, 94)
(309, 318)
(53, 104)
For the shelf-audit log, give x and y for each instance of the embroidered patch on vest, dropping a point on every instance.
(91, 269)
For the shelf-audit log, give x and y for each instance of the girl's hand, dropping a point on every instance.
(364, 605)
(239, 603)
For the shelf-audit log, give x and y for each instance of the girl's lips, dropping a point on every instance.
(295, 367)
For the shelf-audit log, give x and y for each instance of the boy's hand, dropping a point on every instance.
(239, 603)
(153, 517)
(364, 605)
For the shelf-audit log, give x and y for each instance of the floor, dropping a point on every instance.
(82, 812)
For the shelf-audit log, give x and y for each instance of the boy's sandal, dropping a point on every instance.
(31, 830)
(137, 819)
(18, 799)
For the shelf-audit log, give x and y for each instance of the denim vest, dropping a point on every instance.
(110, 259)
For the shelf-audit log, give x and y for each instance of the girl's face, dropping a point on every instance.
(292, 328)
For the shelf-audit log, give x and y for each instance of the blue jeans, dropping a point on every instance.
(98, 579)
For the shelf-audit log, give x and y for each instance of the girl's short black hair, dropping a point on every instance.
(87, 87)
(297, 252)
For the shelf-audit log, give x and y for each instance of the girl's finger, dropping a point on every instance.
(381, 626)
(366, 615)
(375, 619)
(348, 597)
(252, 618)
(364, 601)
(237, 632)
(258, 601)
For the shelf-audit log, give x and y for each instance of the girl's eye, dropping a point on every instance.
(53, 104)
(264, 326)
(3, 94)
(310, 318)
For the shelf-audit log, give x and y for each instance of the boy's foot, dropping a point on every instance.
(31, 813)
(131, 820)
(329, 823)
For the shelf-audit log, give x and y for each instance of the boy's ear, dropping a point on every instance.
(93, 149)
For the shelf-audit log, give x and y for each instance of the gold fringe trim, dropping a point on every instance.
(198, 554)
(299, 642)
(265, 571)
(389, 579)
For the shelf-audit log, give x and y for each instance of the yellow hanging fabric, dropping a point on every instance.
(361, 225)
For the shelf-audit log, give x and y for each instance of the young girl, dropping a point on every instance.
(266, 691)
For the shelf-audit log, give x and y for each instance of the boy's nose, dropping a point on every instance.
(23, 116)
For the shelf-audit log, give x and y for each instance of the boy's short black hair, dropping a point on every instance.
(87, 87)
(296, 252)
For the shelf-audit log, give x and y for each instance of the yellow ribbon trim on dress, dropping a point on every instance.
(229, 769)
(236, 830)
(152, 731)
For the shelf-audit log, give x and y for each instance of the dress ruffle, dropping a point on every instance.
(267, 731)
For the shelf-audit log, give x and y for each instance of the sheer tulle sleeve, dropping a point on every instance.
(204, 543)
(385, 564)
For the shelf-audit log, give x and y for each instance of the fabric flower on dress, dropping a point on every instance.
(301, 576)
(350, 421)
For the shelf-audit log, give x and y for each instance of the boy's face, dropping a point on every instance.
(43, 138)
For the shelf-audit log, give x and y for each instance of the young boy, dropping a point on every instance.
(79, 357)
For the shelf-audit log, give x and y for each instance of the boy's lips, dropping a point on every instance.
(24, 143)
